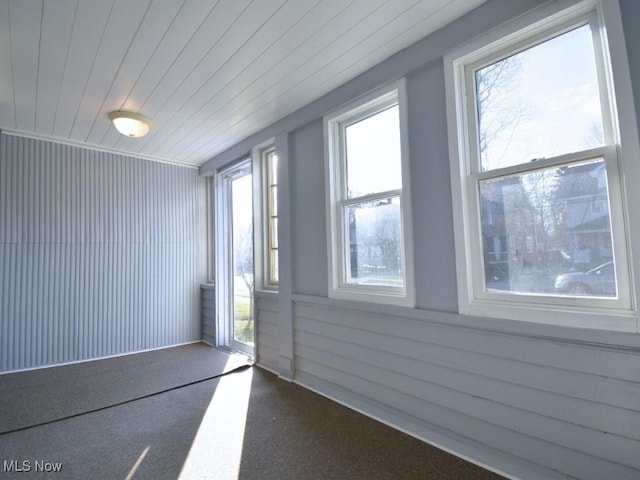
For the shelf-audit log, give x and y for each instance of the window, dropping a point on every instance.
(368, 210)
(534, 135)
(265, 163)
(270, 160)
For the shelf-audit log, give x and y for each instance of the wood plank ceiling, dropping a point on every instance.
(208, 73)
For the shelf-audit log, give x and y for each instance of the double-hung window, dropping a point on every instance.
(536, 155)
(368, 210)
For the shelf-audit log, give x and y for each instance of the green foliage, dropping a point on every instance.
(243, 322)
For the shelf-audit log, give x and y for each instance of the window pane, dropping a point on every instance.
(273, 264)
(373, 154)
(375, 242)
(272, 160)
(549, 232)
(273, 233)
(273, 201)
(242, 250)
(540, 103)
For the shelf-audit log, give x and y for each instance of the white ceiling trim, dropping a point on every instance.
(98, 148)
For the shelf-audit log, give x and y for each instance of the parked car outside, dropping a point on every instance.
(599, 281)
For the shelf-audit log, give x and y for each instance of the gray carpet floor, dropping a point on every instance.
(58, 392)
(244, 425)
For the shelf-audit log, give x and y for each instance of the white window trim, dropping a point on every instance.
(620, 315)
(260, 217)
(394, 92)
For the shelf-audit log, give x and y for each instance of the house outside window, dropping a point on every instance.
(369, 211)
(534, 135)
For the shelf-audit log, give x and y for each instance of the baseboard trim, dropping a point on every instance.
(495, 461)
(285, 378)
(74, 362)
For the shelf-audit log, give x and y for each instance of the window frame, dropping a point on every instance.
(263, 266)
(473, 297)
(337, 199)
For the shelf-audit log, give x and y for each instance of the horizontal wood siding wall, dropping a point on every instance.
(100, 254)
(268, 338)
(568, 407)
(208, 314)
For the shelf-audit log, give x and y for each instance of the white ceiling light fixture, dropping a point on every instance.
(130, 124)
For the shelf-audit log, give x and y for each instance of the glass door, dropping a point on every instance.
(235, 272)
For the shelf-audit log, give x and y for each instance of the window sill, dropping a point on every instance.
(361, 295)
(576, 317)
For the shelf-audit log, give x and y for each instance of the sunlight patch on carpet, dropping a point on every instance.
(216, 451)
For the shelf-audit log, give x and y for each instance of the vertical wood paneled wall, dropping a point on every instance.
(100, 254)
